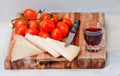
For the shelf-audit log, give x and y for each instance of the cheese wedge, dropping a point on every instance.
(69, 52)
(23, 48)
(40, 43)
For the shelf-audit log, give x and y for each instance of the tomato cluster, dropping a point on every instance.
(43, 25)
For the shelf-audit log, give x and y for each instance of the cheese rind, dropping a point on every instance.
(41, 43)
(69, 52)
(23, 48)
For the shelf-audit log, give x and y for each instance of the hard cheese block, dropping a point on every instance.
(84, 59)
(23, 48)
(69, 52)
(40, 43)
(54, 47)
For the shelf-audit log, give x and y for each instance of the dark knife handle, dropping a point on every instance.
(75, 25)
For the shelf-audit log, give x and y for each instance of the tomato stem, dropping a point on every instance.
(41, 11)
(51, 15)
(13, 21)
(27, 25)
(20, 15)
(12, 24)
(60, 18)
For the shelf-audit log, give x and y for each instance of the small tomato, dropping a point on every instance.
(30, 14)
(19, 22)
(32, 31)
(56, 34)
(44, 16)
(63, 27)
(54, 18)
(20, 30)
(68, 22)
(47, 25)
(43, 34)
(33, 24)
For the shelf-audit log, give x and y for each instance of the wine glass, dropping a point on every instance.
(93, 34)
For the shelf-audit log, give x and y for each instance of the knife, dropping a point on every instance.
(72, 32)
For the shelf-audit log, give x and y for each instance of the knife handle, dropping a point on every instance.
(75, 25)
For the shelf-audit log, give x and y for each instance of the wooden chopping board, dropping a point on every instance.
(85, 59)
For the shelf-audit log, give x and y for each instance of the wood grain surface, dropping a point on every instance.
(85, 59)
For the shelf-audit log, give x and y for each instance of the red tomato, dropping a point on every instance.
(20, 30)
(32, 31)
(63, 27)
(44, 16)
(38, 22)
(43, 34)
(52, 17)
(56, 34)
(41, 30)
(30, 13)
(33, 24)
(19, 22)
(68, 22)
(47, 25)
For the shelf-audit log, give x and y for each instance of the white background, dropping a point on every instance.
(9, 9)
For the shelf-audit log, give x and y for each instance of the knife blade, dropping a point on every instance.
(72, 32)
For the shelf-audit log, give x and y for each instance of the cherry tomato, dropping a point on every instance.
(30, 13)
(44, 16)
(41, 30)
(19, 22)
(63, 27)
(68, 22)
(56, 34)
(20, 30)
(38, 22)
(33, 24)
(43, 34)
(47, 25)
(32, 31)
(52, 17)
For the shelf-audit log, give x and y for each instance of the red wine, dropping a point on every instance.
(93, 36)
